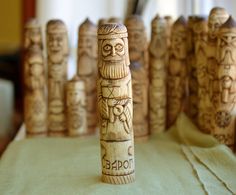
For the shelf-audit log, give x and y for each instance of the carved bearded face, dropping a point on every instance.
(179, 42)
(33, 37)
(113, 64)
(88, 46)
(75, 97)
(226, 48)
(200, 36)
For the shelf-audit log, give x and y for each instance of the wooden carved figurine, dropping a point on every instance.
(87, 68)
(57, 49)
(76, 107)
(176, 82)
(35, 104)
(200, 30)
(224, 85)
(192, 104)
(169, 23)
(33, 34)
(157, 52)
(115, 20)
(102, 21)
(138, 52)
(217, 17)
(115, 105)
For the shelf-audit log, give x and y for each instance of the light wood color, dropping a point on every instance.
(158, 58)
(176, 84)
(58, 51)
(115, 105)
(35, 103)
(224, 85)
(216, 18)
(200, 38)
(102, 21)
(169, 23)
(114, 20)
(87, 68)
(76, 107)
(32, 34)
(138, 51)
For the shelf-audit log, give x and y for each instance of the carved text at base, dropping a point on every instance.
(87, 68)
(138, 51)
(115, 105)
(157, 52)
(76, 107)
(176, 79)
(224, 85)
(57, 49)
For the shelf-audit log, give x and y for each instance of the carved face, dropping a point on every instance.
(179, 42)
(113, 50)
(158, 44)
(75, 97)
(88, 46)
(226, 48)
(136, 44)
(200, 36)
(214, 23)
(33, 37)
(36, 68)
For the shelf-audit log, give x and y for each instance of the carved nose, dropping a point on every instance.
(113, 52)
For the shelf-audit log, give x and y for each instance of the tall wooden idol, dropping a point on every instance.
(224, 85)
(115, 105)
(217, 17)
(76, 107)
(87, 68)
(33, 34)
(192, 104)
(176, 83)
(200, 30)
(157, 52)
(58, 51)
(169, 23)
(138, 51)
(35, 104)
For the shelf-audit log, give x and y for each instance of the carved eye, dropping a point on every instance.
(119, 47)
(107, 47)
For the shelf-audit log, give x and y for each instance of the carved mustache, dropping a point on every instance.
(226, 56)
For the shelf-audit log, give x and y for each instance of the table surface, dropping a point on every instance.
(181, 161)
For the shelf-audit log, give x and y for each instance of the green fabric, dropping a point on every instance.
(181, 161)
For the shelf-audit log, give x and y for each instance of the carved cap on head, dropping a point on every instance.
(75, 83)
(114, 20)
(180, 22)
(230, 24)
(112, 31)
(88, 28)
(218, 12)
(158, 24)
(134, 22)
(32, 23)
(56, 26)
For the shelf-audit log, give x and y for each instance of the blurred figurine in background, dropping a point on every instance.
(138, 51)
(176, 80)
(76, 107)
(158, 58)
(58, 51)
(87, 68)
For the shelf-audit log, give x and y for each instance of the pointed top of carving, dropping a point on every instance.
(87, 28)
(134, 22)
(181, 21)
(230, 23)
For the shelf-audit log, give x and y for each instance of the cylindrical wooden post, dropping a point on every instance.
(115, 105)
(58, 51)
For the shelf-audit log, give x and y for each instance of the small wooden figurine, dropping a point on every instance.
(115, 105)
(35, 103)
(138, 51)
(76, 107)
(224, 85)
(157, 52)
(87, 68)
(33, 34)
(169, 23)
(58, 51)
(200, 30)
(176, 84)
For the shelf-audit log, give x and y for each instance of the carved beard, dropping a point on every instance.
(35, 82)
(85, 64)
(226, 56)
(158, 46)
(56, 57)
(134, 53)
(200, 47)
(114, 70)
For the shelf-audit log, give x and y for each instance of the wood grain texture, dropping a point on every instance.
(177, 71)
(87, 68)
(157, 91)
(57, 51)
(138, 51)
(115, 105)
(76, 107)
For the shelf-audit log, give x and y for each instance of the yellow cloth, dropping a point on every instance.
(181, 161)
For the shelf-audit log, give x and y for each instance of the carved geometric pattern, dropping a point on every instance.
(222, 118)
